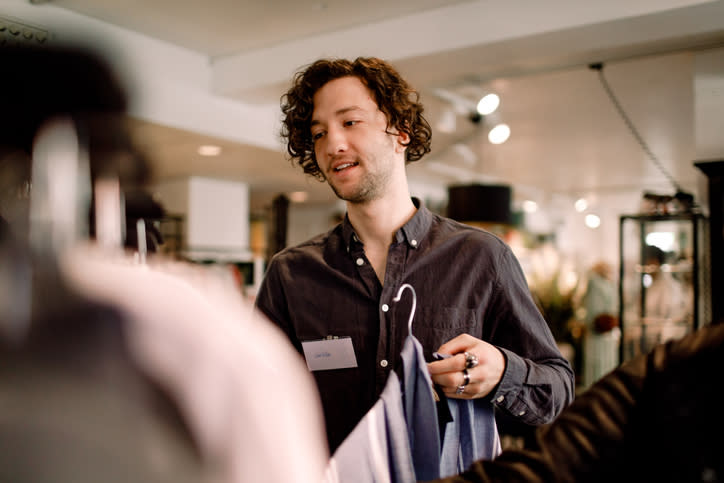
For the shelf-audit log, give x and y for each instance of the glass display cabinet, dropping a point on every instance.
(663, 277)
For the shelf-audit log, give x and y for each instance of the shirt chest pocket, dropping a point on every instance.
(334, 320)
(433, 326)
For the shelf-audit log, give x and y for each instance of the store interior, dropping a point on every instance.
(614, 112)
(604, 106)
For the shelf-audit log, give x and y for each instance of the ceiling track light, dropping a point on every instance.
(499, 134)
(581, 205)
(475, 112)
(487, 104)
(484, 106)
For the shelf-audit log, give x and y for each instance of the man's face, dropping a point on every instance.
(358, 158)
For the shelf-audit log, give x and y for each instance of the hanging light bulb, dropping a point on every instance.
(499, 134)
(488, 104)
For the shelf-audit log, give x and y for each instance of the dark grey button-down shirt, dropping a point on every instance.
(466, 280)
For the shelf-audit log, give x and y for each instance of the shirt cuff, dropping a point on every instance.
(510, 385)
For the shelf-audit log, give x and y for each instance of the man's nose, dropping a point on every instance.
(336, 141)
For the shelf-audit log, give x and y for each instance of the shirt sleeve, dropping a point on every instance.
(271, 301)
(538, 382)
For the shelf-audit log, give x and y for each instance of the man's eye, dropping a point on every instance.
(317, 135)
(350, 123)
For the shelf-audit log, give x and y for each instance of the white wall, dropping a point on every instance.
(216, 213)
(709, 104)
(308, 220)
(173, 195)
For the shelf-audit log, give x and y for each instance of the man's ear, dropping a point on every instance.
(403, 139)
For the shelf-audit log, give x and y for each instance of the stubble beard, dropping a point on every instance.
(371, 187)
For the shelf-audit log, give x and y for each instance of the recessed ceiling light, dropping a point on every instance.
(209, 150)
(298, 196)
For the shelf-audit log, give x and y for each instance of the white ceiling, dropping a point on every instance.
(664, 59)
(219, 28)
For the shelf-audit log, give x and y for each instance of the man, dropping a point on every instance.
(355, 125)
(648, 420)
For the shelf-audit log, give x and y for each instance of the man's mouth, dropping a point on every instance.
(343, 166)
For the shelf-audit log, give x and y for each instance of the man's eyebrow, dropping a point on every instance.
(338, 112)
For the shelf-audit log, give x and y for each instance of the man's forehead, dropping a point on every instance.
(340, 102)
(346, 88)
(342, 110)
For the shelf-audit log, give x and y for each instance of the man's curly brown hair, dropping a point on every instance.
(394, 96)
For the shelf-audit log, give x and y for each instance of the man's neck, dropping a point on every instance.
(376, 222)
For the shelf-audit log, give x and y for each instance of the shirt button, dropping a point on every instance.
(385, 307)
(383, 362)
(500, 399)
(413, 243)
(360, 262)
(521, 413)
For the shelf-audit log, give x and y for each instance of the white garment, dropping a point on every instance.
(600, 354)
(600, 350)
(246, 393)
(666, 299)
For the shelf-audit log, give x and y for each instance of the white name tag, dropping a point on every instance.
(325, 354)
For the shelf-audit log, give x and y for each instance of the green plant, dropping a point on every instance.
(555, 297)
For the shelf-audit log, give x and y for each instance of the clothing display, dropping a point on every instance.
(378, 449)
(326, 287)
(399, 438)
(667, 299)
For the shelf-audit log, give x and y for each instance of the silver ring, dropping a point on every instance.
(466, 378)
(460, 389)
(471, 360)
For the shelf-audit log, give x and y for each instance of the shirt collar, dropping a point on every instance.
(413, 231)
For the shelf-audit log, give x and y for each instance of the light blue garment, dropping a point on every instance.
(420, 412)
(472, 435)
(398, 440)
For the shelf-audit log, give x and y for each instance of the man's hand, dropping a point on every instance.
(483, 362)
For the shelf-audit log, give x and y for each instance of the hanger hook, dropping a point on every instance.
(414, 304)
